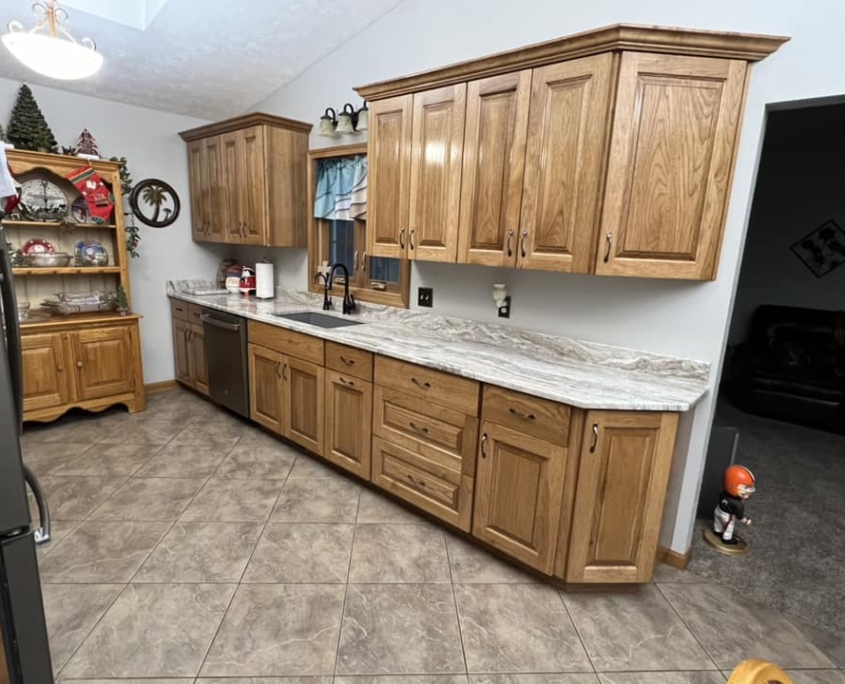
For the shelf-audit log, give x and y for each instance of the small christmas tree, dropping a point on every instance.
(122, 300)
(85, 144)
(28, 128)
(2, 134)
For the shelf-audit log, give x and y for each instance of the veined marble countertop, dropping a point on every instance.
(583, 374)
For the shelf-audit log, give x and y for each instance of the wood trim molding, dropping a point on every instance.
(676, 41)
(673, 559)
(338, 151)
(245, 121)
(163, 386)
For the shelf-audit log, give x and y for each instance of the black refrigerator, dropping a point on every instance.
(25, 647)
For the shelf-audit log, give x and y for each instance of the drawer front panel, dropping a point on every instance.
(290, 342)
(179, 309)
(195, 314)
(441, 388)
(349, 361)
(541, 418)
(439, 434)
(443, 493)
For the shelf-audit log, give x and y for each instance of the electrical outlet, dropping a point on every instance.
(425, 296)
(505, 309)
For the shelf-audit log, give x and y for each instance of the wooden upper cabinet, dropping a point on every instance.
(388, 194)
(436, 156)
(198, 179)
(493, 169)
(45, 372)
(214, 177)
(670, 165)
(102, 363)
(252, 186)
(229, 150)
(624, 471)
(564, 163)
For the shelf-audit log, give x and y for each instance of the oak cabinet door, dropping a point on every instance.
(232, 196)
(436, 162)
(104, 361)
(348, 422)
(266, 388)
(196, 173)
(198, 361)
(493, 169)
(252, 185)
(304, 403)
(181, 351)
(622, 480)
(564, 164)
(389, 154)
(518, 495)
(670, 165)
(45, 375)
(217, 209)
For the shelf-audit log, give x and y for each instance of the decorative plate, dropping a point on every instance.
(155, 203)
(45, 196)
(37, 246)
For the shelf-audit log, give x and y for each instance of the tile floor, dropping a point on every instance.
(191, 547)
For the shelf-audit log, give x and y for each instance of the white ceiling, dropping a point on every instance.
(206, 58)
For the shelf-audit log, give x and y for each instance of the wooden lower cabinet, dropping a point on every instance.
(519, 491)
(304, 404)
(190, 362)
(76, 365)
(266, 388)
(622, 480)
(198, 360)
(181, 353)
(348, 423)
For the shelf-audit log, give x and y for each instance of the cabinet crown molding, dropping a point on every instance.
(677, 41)
(245, 121)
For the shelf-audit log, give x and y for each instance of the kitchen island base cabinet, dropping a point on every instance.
(348, 423)
(622, 480)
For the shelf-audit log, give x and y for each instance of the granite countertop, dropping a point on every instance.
(583, 374)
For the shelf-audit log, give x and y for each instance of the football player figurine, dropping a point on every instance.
(739, 486)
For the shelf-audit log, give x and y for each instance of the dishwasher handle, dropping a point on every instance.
(234, 327)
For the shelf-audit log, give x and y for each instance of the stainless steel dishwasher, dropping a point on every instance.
(226, 354)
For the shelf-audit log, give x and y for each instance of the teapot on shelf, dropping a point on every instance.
(247, 285)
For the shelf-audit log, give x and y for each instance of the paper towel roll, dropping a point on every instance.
(265, 281)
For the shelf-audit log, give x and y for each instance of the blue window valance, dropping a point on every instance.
(341, 188)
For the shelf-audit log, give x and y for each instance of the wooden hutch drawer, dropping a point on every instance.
(349, 361)
(441, 388)
(179, 309)
(287, 342)
(538, 417)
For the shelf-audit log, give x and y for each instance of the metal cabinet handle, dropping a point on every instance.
(595, 438)
(417, 428)
(348, 383)
(411, 237)
(348, 362)
(510, 242)
(609, 238)
(520, 414)
(364, 262)
(484, 445)
(421, 385)
(416, 483)
(234, 327)
(285, 372)
(279, 370)
(401, 240)
(522, 243)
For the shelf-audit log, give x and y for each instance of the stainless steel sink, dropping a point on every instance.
(318, 319)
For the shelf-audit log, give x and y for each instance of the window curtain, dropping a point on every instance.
(341, 188)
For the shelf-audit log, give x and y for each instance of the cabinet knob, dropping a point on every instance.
(79, 364)
(595, 438)
(60, 367)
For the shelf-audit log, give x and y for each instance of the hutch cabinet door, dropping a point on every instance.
(304, 404)
(266, 388)
(564, 163)
(252, 185)
(519, 492)
(196, 165)
(670, 166)
(45, 379)
(198, 361)
(105, 362)
(436, 161)
(348, 418)
(622, 480)
(181, 352)
(217, 209)
(493, 166)
(389, 154)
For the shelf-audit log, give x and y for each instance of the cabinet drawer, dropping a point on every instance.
(441, 388)
(441, 435)
(349, 360)
(440, 491)
(179, 309)
(541, 418)
(287, 342)
(195, 314)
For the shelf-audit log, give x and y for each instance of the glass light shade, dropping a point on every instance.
(54, 57)
(326, 127)
(363, 119)
(344, 124)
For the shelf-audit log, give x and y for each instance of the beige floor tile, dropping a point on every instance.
(69, 429)
(302, 552)
(401, 679)
(473, 565)
(218, 432)
(255, 460)
(832, 644)
(102, 552)
(110, 460)
(278, 629)
(317, 500)
(400, 629)
(59, 529)
(311, 467)
(152, 499)
(666, 573)
(400, 554)
(264, 680)
(379, 508)
(224, 500)
(45, 458)
(146, 432)
(75, 497)
(817, 676)
(711, 677)
(186, 460)
(559, 678)
(201, 552)
(153, 630)
(513, 628)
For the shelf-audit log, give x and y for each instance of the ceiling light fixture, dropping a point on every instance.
(49, 49)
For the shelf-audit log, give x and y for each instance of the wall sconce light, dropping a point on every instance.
(502, 299)
(348, 122)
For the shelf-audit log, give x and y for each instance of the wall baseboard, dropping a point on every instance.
(674, 559)
(163, 386)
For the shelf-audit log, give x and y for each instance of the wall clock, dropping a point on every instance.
(155, 203)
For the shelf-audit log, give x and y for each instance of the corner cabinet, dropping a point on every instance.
(248, 181)
(609, 152)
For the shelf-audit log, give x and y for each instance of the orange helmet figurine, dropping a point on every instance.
(739, 485)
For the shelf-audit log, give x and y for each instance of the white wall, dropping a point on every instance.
(679, 318)
(800, 185)
(149, 141)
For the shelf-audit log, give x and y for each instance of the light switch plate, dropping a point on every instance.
(425, 296)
